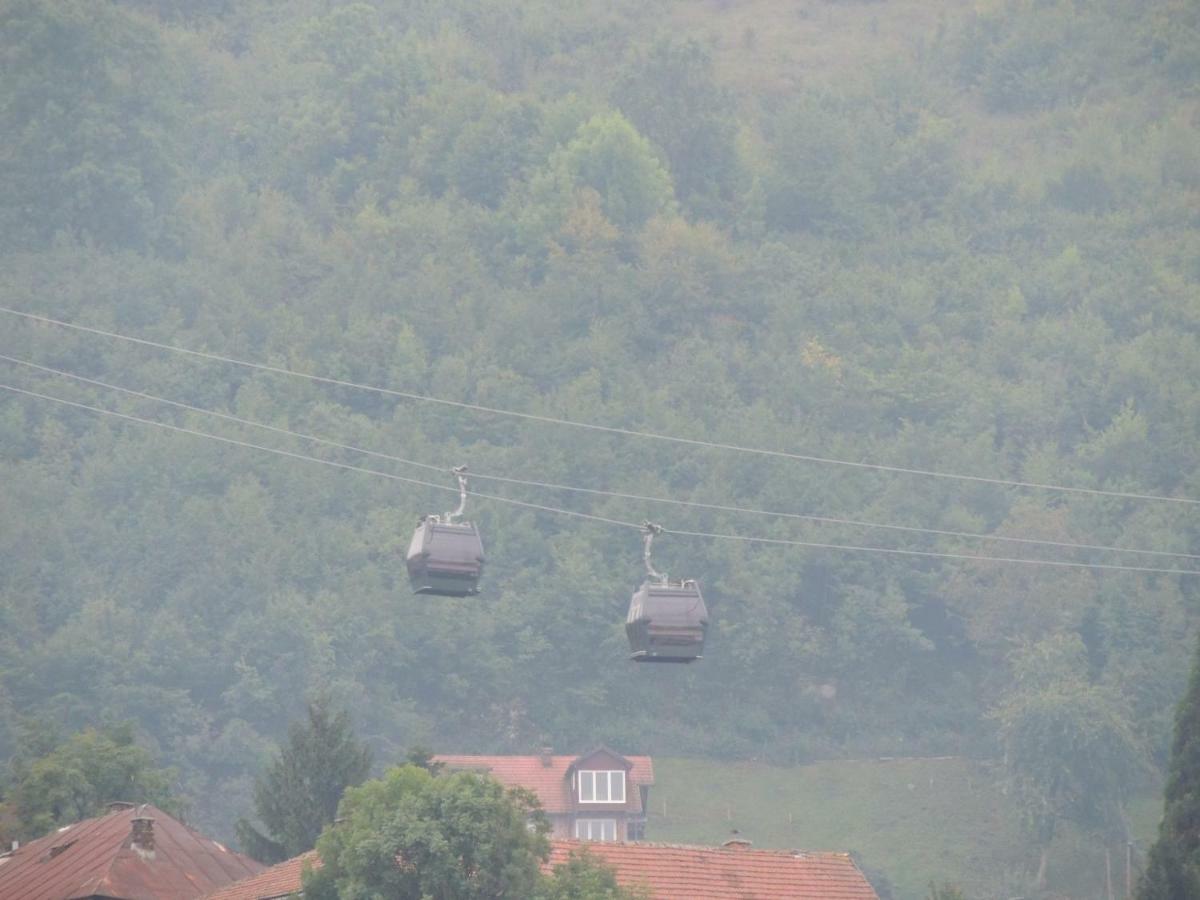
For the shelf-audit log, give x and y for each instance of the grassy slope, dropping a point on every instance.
(912, 820)
(769, 46)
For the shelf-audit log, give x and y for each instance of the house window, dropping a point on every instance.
(596, 829)
(601, 787)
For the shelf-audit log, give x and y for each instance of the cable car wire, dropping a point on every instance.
(604, 519)
(316, 459)
(828, 520)
(608, 429)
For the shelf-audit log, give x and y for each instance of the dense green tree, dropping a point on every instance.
(52, 783)
(1173, 863)
(671, 95)
(823, 166)
(90, 106)
(410, 835)
(1069, 746)
(608, 155)
(298, 794)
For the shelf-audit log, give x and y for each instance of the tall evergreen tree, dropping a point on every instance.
(298, 794)
(1173, 868)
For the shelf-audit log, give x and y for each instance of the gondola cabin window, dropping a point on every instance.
(601, 787)
(596, 829)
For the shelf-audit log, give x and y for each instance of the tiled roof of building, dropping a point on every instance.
(281, 880)
(97, 857)
(547, 776)
(675, 872)
(669, 871)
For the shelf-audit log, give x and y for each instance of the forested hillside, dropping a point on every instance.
(967, 242)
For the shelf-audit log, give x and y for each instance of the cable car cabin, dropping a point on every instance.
(445, 558)
(667, 622)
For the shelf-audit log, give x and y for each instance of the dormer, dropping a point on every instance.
(600, 780)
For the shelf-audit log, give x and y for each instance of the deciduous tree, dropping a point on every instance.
(411, 835)
(75, 779)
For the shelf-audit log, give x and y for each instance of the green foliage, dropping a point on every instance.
(52, 783)
(411, 835)
(823, 161)
(1069, 746)
(1173, 865)
(1037, 59)
(945, 891)
(671, 94)
(88, 105)
(298, 794)
(608, 156)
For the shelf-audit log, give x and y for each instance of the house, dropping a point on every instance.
(599, 796)
(279, 881)
(132, 853)
(730, 872)
(665, 871)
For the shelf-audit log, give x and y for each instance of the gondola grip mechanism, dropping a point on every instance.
(649, 532)
(459, 472)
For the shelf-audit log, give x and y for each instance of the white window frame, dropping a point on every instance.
(595, 829)
(613, 782)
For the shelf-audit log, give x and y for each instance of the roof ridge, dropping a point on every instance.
(776, 851)
(539, 756)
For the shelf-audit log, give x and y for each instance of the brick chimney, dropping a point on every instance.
(547, 756)
(142, 834)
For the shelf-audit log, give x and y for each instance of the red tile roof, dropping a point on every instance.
(671, 872)
(549, 782)
(280, 880)
(674, 872)
(95, 858)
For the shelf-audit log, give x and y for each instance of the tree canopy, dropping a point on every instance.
(52, 781)
(298, 794)
(1173, 865)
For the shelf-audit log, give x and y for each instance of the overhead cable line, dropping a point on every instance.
(609, 521)
(608, 429)
(316, 459)
(828, 520)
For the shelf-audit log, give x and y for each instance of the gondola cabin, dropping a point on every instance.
(445, 558)
(667, 622)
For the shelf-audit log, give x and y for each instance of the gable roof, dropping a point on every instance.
(677, 872)
(599, 751)
(551, 783)
(671, 872)
(280, 880)
(95, 857)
